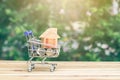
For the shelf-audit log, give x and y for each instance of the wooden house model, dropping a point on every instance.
(50, 38)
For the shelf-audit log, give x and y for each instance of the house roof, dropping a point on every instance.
(50, 33)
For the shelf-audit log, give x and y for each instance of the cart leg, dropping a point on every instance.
(43, 61)
(30, 65)
(52, 66)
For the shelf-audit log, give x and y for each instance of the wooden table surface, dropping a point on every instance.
(17, 70)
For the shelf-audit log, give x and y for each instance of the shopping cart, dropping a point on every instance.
(36, 49)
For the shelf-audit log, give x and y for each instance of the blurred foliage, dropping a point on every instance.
(88, 29)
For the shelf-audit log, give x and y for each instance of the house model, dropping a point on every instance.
(50, 38)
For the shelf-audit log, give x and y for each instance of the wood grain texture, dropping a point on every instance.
(17, 70)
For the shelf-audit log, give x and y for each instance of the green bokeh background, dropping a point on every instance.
(89, 29)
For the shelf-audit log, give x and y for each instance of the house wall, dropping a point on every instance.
(48, 41)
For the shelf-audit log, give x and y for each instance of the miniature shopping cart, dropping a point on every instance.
(47, 47)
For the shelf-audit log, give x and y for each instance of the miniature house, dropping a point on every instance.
(50, 38)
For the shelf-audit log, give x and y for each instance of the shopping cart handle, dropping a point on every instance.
(27, 33)
(30, 32)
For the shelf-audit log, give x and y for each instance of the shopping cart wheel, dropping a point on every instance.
(52, 68)
(33, 66)
(29, 69)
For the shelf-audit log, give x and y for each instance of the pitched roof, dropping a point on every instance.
(50, 33)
